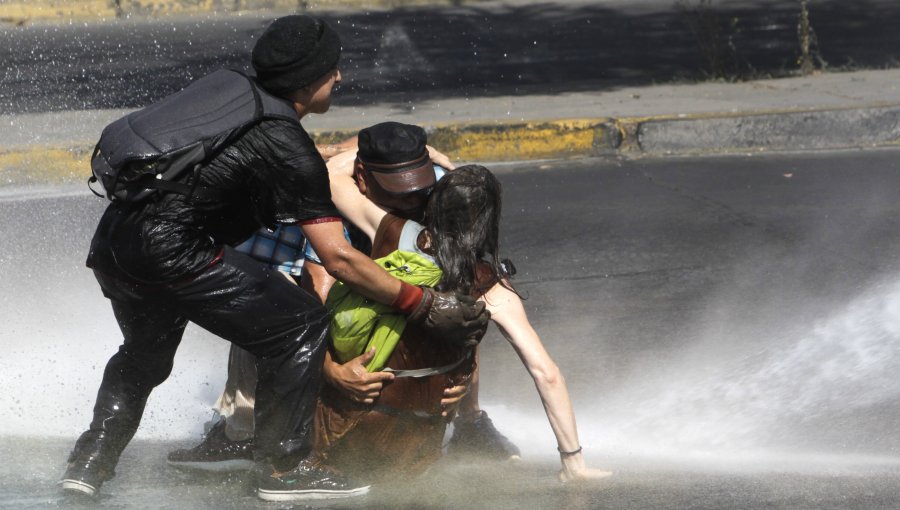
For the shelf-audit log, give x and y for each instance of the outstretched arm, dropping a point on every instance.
(509, 314)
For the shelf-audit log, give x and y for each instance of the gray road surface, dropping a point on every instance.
(482, 49)
(727, 327)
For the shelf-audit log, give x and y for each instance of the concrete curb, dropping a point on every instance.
(58, 162)
(20, 12)
(24, 11)
(766, 131)
(515, 140)
(45, 164)
(749, 132)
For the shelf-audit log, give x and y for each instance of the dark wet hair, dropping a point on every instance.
(463, 221)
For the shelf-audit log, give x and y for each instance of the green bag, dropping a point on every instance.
(358, 323)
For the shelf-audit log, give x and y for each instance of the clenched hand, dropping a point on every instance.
(352, 379)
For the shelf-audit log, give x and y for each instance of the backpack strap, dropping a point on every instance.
(428, 372)
(267, 105)
(148, 182)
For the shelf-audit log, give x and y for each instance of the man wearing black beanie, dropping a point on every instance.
(168, 259)
(294, 52)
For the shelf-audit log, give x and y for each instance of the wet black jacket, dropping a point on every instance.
(271, 174)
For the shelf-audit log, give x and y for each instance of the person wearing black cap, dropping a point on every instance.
(387, 165)
(454, 244)
(394, 170)
(228, 445)
(169, 259)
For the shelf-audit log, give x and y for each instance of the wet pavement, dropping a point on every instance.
(145, 482)
(727, 328)
(476, 50)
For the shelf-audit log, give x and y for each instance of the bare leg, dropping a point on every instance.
(469, 406)
(237, 401)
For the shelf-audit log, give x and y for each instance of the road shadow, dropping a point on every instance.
(478, 50)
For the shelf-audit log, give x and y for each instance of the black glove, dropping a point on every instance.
(454, 318)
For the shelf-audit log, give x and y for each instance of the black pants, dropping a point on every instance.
(240, 300)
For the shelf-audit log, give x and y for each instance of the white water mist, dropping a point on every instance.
(789, 384)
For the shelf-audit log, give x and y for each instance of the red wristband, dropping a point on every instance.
(316, 221)
(408, 299)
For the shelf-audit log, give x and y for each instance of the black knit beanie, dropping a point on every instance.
(293, 52)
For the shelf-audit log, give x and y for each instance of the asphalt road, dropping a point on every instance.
(481, 49)
(727, 328)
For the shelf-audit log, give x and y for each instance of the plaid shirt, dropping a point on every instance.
(285, 248)
(281, 249)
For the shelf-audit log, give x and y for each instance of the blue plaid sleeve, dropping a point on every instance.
(282, 249)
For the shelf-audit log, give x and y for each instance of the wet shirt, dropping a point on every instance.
(271, 175)
(282, 249)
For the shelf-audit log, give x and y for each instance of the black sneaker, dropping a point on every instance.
(308, 481)
(84, 478)
(478, 438)
(215, 453)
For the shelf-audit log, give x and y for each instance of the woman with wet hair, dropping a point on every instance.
(403, 429)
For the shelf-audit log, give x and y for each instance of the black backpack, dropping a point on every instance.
(148, 150)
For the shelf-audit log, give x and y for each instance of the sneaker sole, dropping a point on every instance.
(78, 486)
(222, 466)
(310, 494)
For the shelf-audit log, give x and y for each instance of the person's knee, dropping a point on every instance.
(144, 370)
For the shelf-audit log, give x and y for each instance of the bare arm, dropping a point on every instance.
(350, 266)
(316, 280)
(353, 380)
(367, 216)
(350, 378)
(509, 314)
(439, 158)
(330, 150)
(350, 201)
(352, 204)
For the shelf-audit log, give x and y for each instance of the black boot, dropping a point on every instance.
(479, 438)
(84, 476)
(215, 453)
